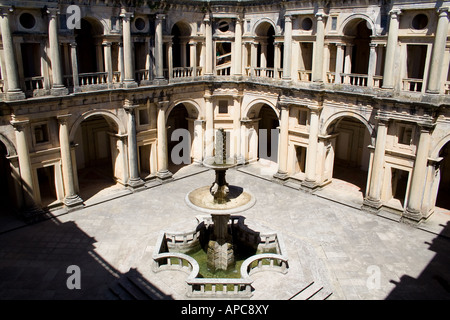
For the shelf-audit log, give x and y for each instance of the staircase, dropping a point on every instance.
(133, 286)
(312, 291)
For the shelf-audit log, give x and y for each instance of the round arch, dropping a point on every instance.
(337, 117)
(10, 148)
(351, 21)
(97, 24)
(110, 117)
(183, 26)
(438, 147)
(191, 106)
(262, 26)
(258, 103)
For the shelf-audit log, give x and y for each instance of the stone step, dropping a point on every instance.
(312, 291)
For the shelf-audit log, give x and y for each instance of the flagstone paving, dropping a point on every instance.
(352, 254)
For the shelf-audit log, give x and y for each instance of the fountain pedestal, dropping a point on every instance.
(220, 253)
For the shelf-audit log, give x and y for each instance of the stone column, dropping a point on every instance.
(437, 58)
(372, 64)
(237, 127)
(317, 70)
(277, 55)
(120, 62)
(14, 92)
(108, 61)
(159, 65)
(71, 199)
(339, 62)
(287, 48)
(388, 77)
(23, 154)
(163, 154)
(311, 153)
(57, 75)
(348, 59)
(209, 134)
(209, 46)
(238, 47)
(134, 181)
(373, 198)
(73, 58)
(253, 57)
(169, 49)
(413, 208)
(282, 173)
(127, 50)
(193, 57)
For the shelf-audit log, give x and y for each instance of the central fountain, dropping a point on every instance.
(233, 251)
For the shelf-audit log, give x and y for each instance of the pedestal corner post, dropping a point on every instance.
(134, 180)
(282, 173)
(71, 199)
(163, 173)
(413, 212)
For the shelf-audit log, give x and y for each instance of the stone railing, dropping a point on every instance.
(264, 262)
(355, 79)
(447, 87)
(182, 72)
(414, 85)
(219, 288)
(141, 75)
(93, 78)
(304, 75)
(34, 83)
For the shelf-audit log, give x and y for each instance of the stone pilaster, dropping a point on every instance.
(163, 154)
(311, 154)
(282, 173)
(388, 78)
(57, 74)
(134, 181)
(128, 80)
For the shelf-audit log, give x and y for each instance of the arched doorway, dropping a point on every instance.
(180, 135)
(95, 155)
(350, 141)
(180, 45)
(265, 59)
(357, 52)
(443, 199)
(262, 138)
(89, 49)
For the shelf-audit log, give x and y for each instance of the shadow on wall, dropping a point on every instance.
(434, 281)
(34, 265)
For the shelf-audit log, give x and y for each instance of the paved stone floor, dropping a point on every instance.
(351, 253)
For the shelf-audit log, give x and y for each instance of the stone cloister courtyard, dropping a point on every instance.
(348, 253)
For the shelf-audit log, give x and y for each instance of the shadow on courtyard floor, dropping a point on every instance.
(434, 281)
(34, 263)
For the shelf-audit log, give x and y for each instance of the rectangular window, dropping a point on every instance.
(143, 117)
(223, 106)
(41, 133)
(333, 23)
(303, 117)
(404, 135)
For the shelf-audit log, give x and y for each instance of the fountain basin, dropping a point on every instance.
(173, 248)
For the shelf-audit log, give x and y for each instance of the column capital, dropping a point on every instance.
(73, 44)
(426, 127)
(53, 12)
(160, 16)
(443, 11)
(283, 105)
(320, 16)
(288, 18)
(126, 15)
(63, 118)
(394, 13)
(19, 125)
(382, 120)
(6, 10)
(162, 104)
(107, 43)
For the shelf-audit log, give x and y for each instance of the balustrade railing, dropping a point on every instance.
(355, 79)
(304, 75)
(414, 85)
(93, 78)
(447, 87)
(142, 74)
(34, 83)
(182, 72)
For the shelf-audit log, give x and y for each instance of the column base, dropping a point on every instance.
(412, 216)
(15, 95)
(59, 91)
(130, 84)
(433, 91)
(73, 201)
(281, 176)
(164, 175)
(136, 184)
(310, 184)
(371, 205)
(240, 160)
